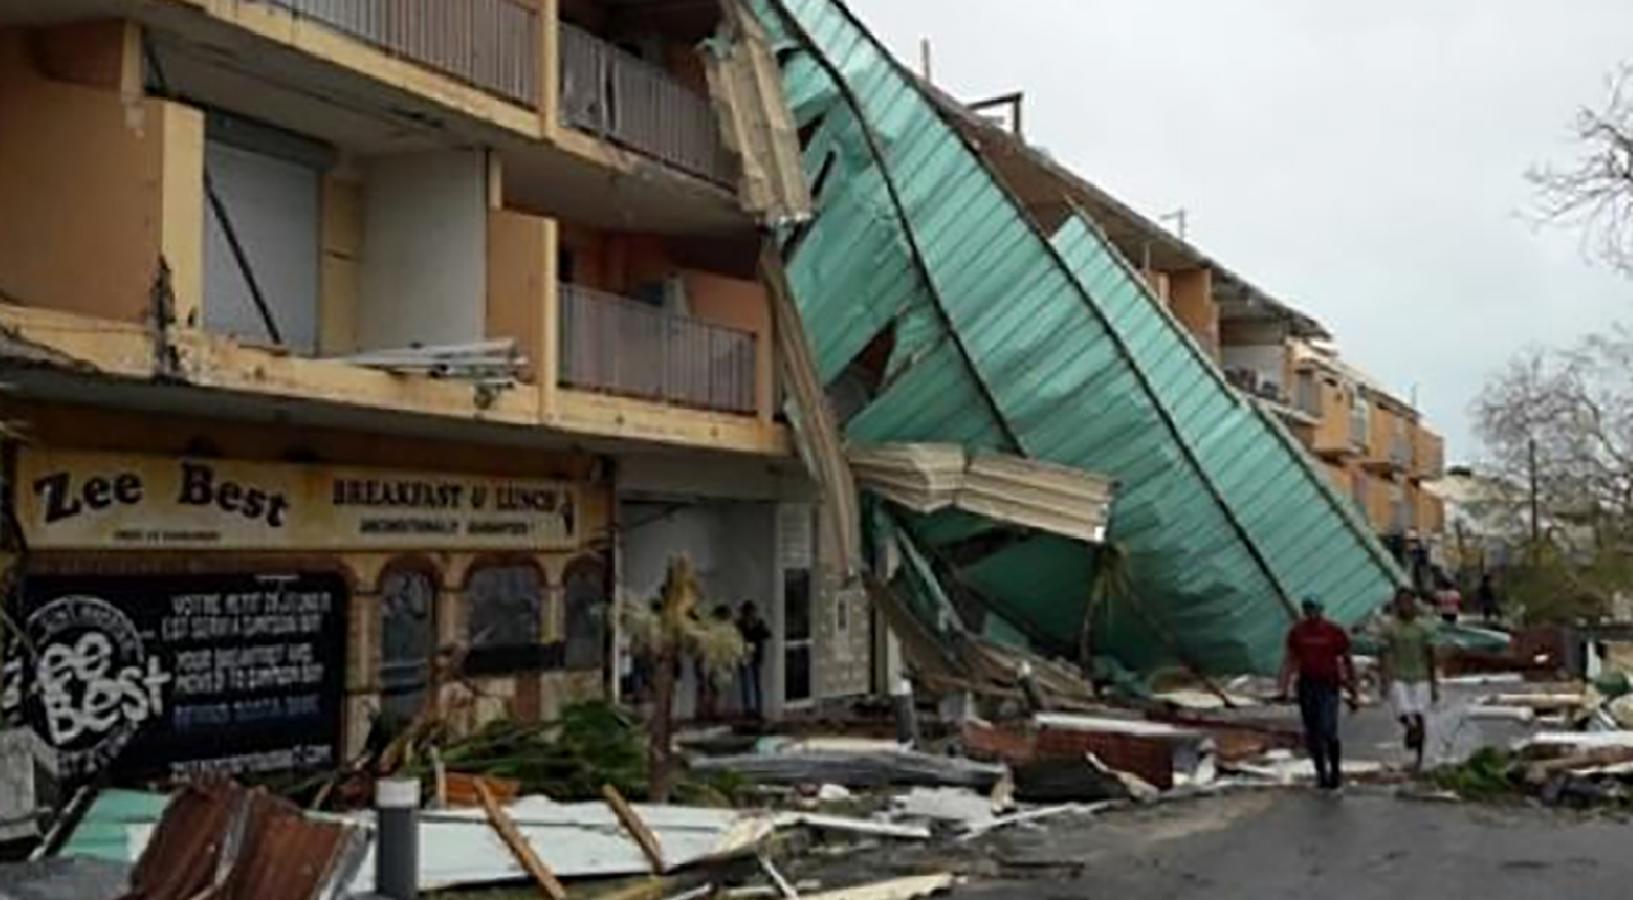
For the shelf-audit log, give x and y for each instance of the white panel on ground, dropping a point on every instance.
(425, 240)
(273, 206)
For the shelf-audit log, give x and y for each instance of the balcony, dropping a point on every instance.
(1402, 517)
(1400, 451)
(622, 98)
(615, 345)
(490, 44)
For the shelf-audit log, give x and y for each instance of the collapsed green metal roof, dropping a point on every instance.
(946, 314)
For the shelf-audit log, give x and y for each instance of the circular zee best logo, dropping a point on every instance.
(94, 683)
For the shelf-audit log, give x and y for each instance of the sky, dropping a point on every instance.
(1364, 162)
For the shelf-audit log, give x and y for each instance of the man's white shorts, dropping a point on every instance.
(1410, 698)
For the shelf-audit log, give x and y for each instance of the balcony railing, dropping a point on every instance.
(492, 44)
(1400, 451)
(615, 94)
(620, 346)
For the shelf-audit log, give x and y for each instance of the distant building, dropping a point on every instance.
(1377, 449)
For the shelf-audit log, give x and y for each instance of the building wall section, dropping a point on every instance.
(375, 579)
(98, 186)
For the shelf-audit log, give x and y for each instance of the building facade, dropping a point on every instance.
(361, 359)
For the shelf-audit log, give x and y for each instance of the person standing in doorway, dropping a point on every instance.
(754, 632)
(1486, 598)
(1407, 666)
(1318, 656)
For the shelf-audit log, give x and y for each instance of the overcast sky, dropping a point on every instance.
(1364, 161)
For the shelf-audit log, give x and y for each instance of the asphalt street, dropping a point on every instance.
(1365, 845)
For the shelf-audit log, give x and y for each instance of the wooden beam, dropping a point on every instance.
(637, 829)
(519, 847)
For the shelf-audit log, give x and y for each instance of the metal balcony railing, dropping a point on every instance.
(613, 93)
(616, 345)
(492, 44)
(1400, 451)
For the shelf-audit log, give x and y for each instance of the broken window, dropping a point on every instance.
(407, 639)
(506, 604)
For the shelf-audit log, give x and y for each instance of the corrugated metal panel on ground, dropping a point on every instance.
(1052, 350)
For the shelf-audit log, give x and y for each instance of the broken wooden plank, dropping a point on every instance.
(519, 847)
(894, 889)
(783, 887)
(637, 829)
(852, 825)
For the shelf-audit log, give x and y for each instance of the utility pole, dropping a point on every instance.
(925, 68)
(1180, 217)
(1536, 518)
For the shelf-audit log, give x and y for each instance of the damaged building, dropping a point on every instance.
(359, 358)
(958, 291)
(362, 362)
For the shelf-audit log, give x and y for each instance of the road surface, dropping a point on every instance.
(1265, 845)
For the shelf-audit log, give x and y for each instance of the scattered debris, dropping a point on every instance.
(575, 840)
(1035, 815)
(63, 878)
(1153, 751)
(854, 826)
(631, 820)
(222, 841)
(784, 889)
(870, 766)
(519, 847)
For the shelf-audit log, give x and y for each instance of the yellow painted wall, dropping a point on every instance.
(340, 276)
(93, 189)
(521, 286)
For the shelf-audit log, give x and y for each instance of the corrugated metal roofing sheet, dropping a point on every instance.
(1048, 347)
(928, 478)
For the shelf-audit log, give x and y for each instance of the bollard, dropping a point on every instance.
(907, 723)
(397, 840)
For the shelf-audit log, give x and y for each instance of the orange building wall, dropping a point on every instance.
(1191, 294)
(1333, 431)
(520, 272)
(742, 305)
(88, 204)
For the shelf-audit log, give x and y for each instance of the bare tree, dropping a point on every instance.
(1595, 193)
(1563, 419)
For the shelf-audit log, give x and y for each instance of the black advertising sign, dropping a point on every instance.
(177, 675)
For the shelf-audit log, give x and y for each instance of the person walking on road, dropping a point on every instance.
(1407, 666)
(1318, 656)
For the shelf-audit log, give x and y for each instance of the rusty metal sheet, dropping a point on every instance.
(219, 841)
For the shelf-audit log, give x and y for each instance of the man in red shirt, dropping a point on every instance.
(1318, 653)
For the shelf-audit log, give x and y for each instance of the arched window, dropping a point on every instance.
(584, 589)
(506, 603)
(408, 600)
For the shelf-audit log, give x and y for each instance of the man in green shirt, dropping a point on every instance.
(1408, 669)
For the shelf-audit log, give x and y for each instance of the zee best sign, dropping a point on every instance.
(72, 500)
(181, 674)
